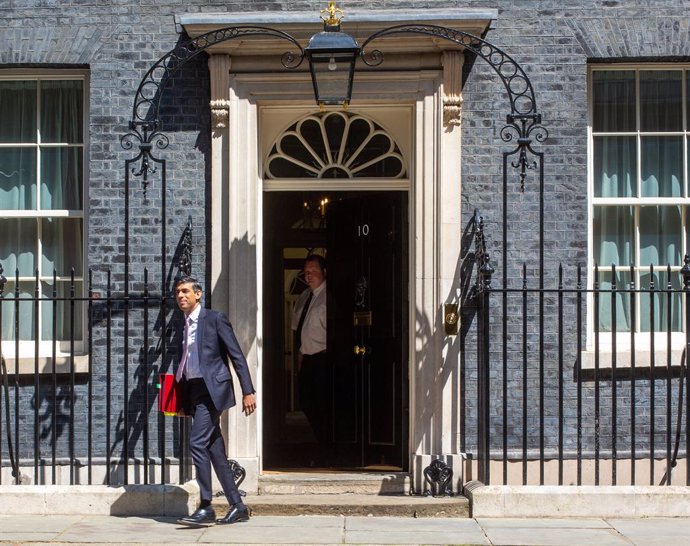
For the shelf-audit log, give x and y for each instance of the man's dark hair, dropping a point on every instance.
(196, 285)
(317, 258)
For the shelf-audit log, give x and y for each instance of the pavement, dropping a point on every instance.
(136, 530)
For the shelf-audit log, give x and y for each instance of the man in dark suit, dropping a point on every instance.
(207, 342)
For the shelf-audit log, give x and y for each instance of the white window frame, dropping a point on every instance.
(643, 341)
(27, 348)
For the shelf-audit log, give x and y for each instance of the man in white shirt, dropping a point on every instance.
(315, 370)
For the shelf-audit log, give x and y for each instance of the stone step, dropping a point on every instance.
(353, 505)
(334, 483)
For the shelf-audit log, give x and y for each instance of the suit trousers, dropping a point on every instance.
(316, 395)
(208, 446)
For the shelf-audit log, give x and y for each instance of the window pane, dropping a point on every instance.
(615, 167)
(614, 100)
(662, 166)
(660, 236)
(661, 302)
(61, 178)
(661, 93)
(62, 246)
(22, 307)
(18, 246)
(61, 111)
(613, 236)
(66, 315)
(607, 300)
(18, 178)
(18, 107)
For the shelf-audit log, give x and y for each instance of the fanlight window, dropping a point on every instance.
(335, 145)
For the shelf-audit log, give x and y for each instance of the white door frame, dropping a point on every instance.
(435, 233)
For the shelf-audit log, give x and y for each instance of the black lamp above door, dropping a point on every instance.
(332, 55)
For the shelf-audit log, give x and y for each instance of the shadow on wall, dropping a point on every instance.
(452, 367)
(145, 376)
(242, 300)
(185, 112)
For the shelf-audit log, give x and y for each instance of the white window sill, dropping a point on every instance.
(27, 365)
(623, 358)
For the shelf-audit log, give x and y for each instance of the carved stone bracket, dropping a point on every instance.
(219, 67)
(452, 87)
(220, 113)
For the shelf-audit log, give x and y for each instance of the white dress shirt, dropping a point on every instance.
(193, 369)
(314, 327)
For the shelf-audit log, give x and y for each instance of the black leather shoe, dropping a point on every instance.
(235, 515)
(202, 517)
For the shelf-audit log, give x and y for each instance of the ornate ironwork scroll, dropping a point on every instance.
(523, 121)
(238, 475)
(145, 125)
(438, 475)
(184, 263)
(685, 273)
(147, 98)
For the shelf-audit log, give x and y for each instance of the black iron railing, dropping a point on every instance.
(81, 405)
(556, 384)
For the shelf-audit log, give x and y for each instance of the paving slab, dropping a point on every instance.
(36, 524)
(384, 530)
(654, 532)
(256, 532)
(37, 530)
(550, 532)
(131, 529)
(460, 525)
(543, 523)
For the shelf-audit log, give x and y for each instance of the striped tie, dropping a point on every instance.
(185, 353)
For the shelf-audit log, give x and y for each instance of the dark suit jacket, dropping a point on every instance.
(217, 344)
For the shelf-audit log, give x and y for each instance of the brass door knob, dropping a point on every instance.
(360, 350)
(451, 318)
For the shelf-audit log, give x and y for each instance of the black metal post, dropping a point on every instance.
(652, 385)
(633, 388)
(3, 280)
(525, 383)
(560, 374)
(596, 376)
(669, 375)
(685, 272)
(483, 373)
(614, 363)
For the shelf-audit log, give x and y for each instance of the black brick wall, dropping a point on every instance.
(119, 40)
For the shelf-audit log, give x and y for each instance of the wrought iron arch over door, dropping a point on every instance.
(522, 129)
(335, 145)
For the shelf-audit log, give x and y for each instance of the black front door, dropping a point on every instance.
(364, 237)
(367, 326)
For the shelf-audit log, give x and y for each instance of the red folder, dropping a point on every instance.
(169, 395)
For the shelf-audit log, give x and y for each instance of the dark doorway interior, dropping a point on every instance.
(364, 237)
